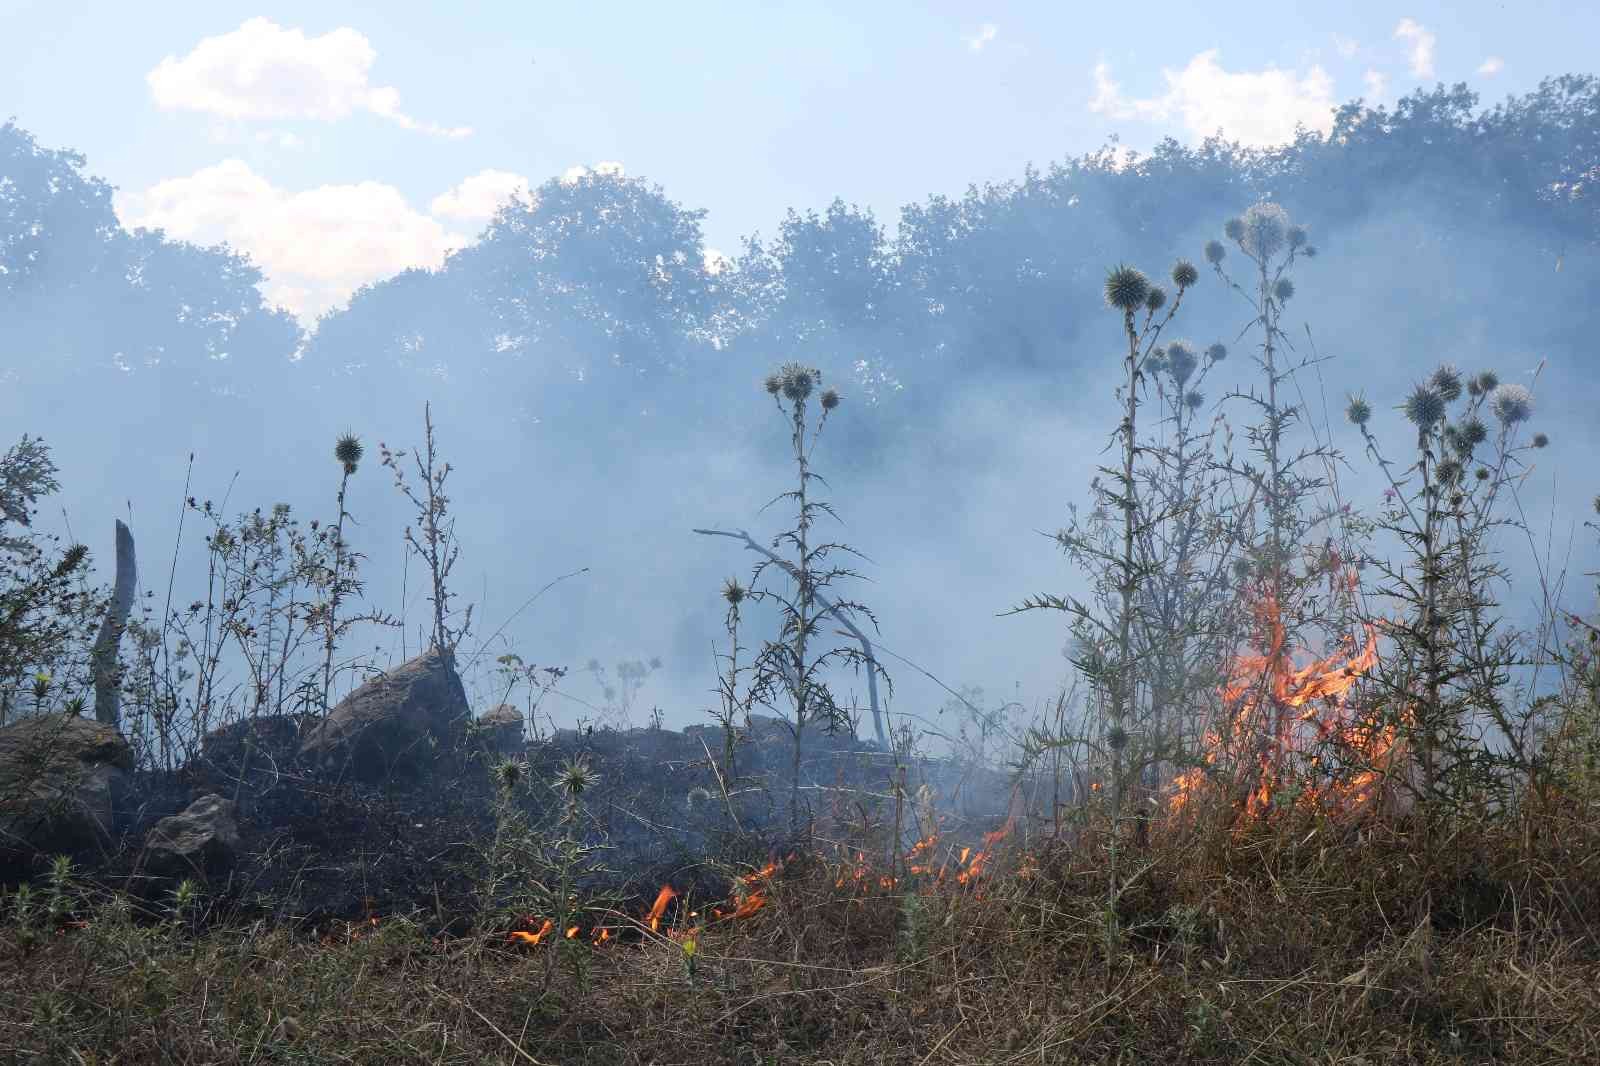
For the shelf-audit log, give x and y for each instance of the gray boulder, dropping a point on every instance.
(203, 839)
(394, 726)
(502, 729)
(61, 778)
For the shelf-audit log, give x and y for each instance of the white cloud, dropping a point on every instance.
(1422, 42)
(715, 261)
(986, 33)
(280, 138)
(477, 198)
(1377, 84)
(1491, 66)
(1347, 47)
(265, 71)
(609, 168)
(1253, 107)
(315, 247)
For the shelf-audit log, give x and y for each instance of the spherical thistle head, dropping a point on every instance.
(1449, 472)
(1309, 251)
(1216, 252)
(1486, 382)
(1126, 288)
(1155, 299)
(1473, 431)
(797, 381)
(509, 774)
(1511, 404)
(1424, 407)
(1194, 399)
(1297, 236)
(733, 592)
(1116, 738)
(1482, 473)
(1181, 361)
(1446, 381)
(773, 384)
(576, 778)
(1358, 411)
(1217, 352)
(347, 449)
(1233, 229)
(1541, 440)
(1157, 361)
(1184, 274)
(1266, 229)
(1283, 291)
(830, 399)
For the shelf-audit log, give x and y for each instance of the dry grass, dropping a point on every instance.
(1285, 944)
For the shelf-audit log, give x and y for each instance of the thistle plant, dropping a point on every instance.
(347, 451)
(1445, 681)
(792, 664)
(434, 539)
(1110, 546)
(731, 705)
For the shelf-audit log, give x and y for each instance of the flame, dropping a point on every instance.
(572, 932)
(533, 938)
(1278, 712)
(659, 907)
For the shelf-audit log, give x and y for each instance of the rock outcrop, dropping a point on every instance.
(61, 777)
(203, 839)
(397, 726)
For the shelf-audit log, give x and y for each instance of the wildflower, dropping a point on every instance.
(1297, 236)
(772, 384)
(1449, 472)
(1266, 227)
(1193, 399)
(1217, 353)
(575, 778)
(1424, 407)
(348, 451)
(1126, 288)
(1483, 384)
(733, 592)
(1283, 291)
(1155, 298)
(830, 399)
(1358, 411)
(1446, 381)
(1184, 274)
(1511, 403)
(1473, 431)
(1215, 252)
(1541, 441)
(1181, 361)
(1233, 229)
(797, 381)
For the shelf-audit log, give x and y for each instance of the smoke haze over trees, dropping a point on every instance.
(595, 381)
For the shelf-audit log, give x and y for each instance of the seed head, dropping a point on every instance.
(797, 381)
(1482, 473)
(1424, 407)
(1266, 228)
(1449, 472)
(1181, 361)
(1511, 404)
(1126, 288)
(1194, 400)
(733, 592)
(1359, 411)
(1217, 352)
(772, 384)
(1116, 738)
(1309, 251)
(1157, 362)
(1184, 274)
(348, 451)
(1216, 252)
(830, 399)
(1473, 431)
(1541, 441)
(1233, 229)
(1297, 236)
(1155, 298)
(1283, 291)
(1484, 383)
(1446, 381)
(576, 777)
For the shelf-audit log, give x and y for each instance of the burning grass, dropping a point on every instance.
(1277, 942)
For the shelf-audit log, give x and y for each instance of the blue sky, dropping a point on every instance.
(340, 142)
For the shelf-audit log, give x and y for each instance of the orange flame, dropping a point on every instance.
(659, 907)
(533, 938)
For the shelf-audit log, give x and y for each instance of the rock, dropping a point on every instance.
(204, 838)
(61, 777)
(394, 726)
(502, 729)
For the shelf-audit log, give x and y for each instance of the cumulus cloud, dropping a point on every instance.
(315, 247)
(1253, 107)
(477, 198)
(1422, 42)
(609, 168)
(266, 71)
(1491, 66)
(986, 33)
